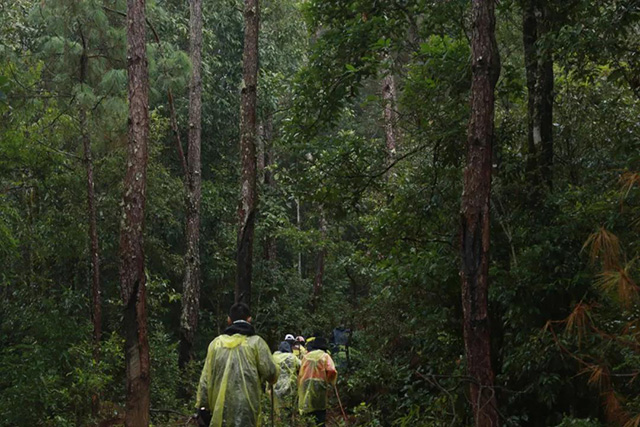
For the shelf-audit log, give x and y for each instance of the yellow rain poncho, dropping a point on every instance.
(317, 375)
(233, 377)
(286, 386)
(299, 351)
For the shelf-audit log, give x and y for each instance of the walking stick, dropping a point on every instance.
(272, 406)
(340, 403)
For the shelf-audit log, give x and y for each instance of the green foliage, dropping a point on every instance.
(47, 363)
(391, 265)
(573, 422)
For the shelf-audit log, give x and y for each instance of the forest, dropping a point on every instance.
(448, 188)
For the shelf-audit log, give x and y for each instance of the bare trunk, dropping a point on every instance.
(318, 280)
(299, 224)
(540, 82)
(96, 312)
(132, 274)
(390, 116)
(191, 283)
(260, 152)
(475, 215)
(248, 133)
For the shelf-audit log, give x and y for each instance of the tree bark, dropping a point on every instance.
(132, 274)
(540, 83)
(260, 152)
(475, 214)
(248, 132)
(390, 116)
(299, 225)
(96, 312)
(193, 180)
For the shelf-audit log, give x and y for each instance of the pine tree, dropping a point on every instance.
(132, 267)
(248, 132)
(475, 234)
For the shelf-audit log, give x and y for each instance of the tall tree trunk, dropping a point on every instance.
(191, 283)
(475, 214)
(132, 274)
(318, 279)
(96, 312)
(390, 115)
(540, 83)
(248, 132)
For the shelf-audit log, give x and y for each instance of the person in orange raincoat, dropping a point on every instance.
(316, 377)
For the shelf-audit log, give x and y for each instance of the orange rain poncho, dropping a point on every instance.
(232, 379)
(317, 374)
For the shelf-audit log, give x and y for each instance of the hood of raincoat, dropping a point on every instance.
(241, 327)
(284, 347)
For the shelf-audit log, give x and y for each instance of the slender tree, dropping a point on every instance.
(248, 132)
(390, 115)
(94, 247)
(475, 214)
(270, 244)
(193, 181)
(132, 274)
(318, 279)
(536, 22)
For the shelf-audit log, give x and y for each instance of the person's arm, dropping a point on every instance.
(330, 369)
(267, 368)
(202, 399)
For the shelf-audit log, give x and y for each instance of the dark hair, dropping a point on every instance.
(320, 343)
(239, 311)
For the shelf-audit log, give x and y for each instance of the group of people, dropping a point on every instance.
(239, 363)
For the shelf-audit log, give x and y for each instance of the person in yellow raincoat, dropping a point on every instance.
(238, 365)
(298, 348)
(285, 388)
(317, 376)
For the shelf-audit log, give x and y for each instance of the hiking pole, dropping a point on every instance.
(272, 406)
(340, 403)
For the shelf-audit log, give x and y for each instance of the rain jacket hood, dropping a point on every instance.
(317, 375)
(241, 327)
(284, 347)
(236, 368)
